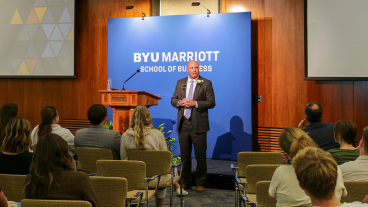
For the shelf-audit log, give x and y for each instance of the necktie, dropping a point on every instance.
(188, 110)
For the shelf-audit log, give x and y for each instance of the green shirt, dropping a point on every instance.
(344, 155)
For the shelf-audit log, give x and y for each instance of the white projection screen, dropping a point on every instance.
(37, 39)
(336, 39)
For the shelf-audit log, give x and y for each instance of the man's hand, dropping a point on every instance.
(302, 124)
(187, 103)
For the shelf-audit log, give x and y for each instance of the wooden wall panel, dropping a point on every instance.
(287, 61)
(360, 105)
(72, 97)
(335, 97)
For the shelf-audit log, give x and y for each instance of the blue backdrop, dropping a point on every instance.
(161, 48)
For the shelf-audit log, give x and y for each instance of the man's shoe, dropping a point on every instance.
(187, 186)
(200, 189)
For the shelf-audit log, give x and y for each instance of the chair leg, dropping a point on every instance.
(156, 200)
(171, 188)
(236, 195)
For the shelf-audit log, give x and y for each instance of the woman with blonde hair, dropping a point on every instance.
(345, 134)
(15, 157)
(141, 135)
(284, 189)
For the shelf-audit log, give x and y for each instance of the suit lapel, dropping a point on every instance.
(184, 90)
(196, 90)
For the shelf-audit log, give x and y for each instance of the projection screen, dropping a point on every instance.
(336, 43)
(37, 39)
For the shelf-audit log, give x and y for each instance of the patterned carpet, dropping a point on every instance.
(209, 198)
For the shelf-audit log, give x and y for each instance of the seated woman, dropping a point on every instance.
(141, 135)
(52, 174)
(345, 134)
(7, 112)
(49, 124)
(284, 189)
(15, 157)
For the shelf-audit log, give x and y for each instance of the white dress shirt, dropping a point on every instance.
(188, 87)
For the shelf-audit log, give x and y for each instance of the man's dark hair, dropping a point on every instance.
(313, 115)
(96, 114)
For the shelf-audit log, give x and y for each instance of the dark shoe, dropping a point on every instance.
(187, 186)
(200, 189)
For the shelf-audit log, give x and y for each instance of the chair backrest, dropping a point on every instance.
(88, 156)
(262, 194)
(258, 173)
(356, 191)
(54, 203)
(12, 186)
(133, 171)
(110, 191)
(157, 161)
(250, 158)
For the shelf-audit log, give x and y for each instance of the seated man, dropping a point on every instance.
(316, 171)
(321, 133)
(97, 136)
(358, 170)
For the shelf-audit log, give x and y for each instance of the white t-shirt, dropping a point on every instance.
(62, 132)
(285, 188)
(354, 204)
(355, 170)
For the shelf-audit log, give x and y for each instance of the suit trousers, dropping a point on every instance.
(187, 137)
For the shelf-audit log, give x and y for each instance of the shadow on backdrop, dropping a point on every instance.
(229, 144)
(169, 124)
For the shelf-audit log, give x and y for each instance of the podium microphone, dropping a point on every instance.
(123, 89)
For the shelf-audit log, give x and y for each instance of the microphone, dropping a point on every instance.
(129, 79)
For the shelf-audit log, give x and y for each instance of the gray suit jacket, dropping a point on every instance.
(99, 137)
(205, 97)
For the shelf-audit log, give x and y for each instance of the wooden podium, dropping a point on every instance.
(123, 104)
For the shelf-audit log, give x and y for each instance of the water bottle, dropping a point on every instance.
(109, 82)
(184, 203)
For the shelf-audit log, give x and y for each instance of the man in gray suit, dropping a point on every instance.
(193, 97)
(97, 136)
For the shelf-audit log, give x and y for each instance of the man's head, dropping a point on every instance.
(363, 145)
(193, 69)
(96, 114)
(313, 112)
(316, 171)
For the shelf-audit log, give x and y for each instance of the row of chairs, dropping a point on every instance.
(252, 168)
(152, 163)
(111, 191)
(253, 178)
(142, 164)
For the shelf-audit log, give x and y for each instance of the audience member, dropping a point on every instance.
(15, 157)
(49, 124)
(52, 175)
(317, 173)
(321, 133)
(141, 135)
(97, 136)
(345, 134)
(284, 189)
(358, 170)
(7, 112)
(3, 201)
